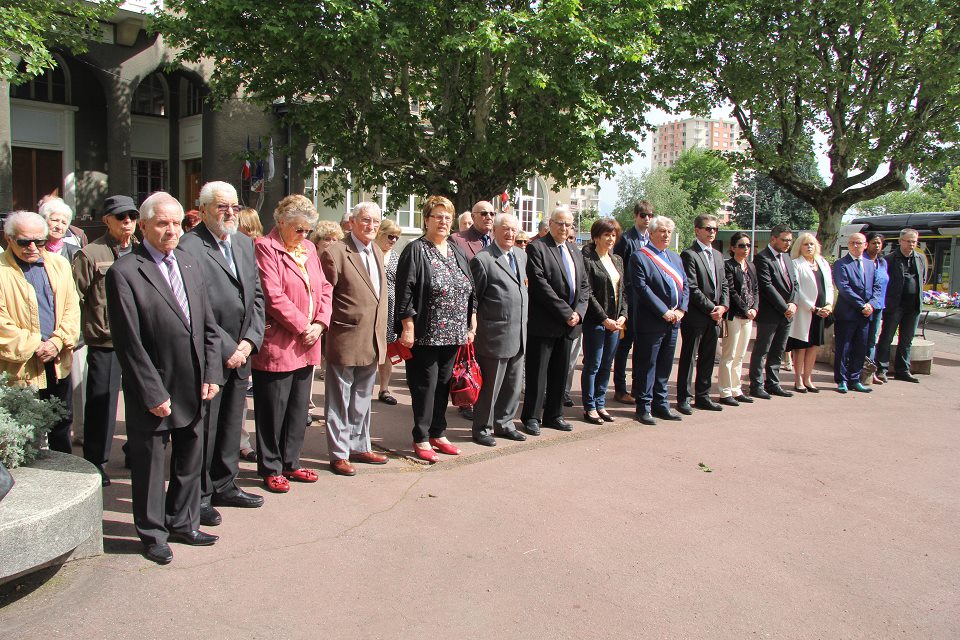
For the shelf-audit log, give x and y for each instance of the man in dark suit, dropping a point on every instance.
(709, 300)
(559, 293)
(168, 345)
(233, 288)
(901, 311)
(858, 294)
(632, 239)
(356, 341)
(499, 279)
(660, 300)
(777, 283)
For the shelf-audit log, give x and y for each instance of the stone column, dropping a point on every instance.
(6, 157)
(119, 96)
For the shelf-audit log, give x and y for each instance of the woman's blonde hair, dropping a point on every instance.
(326, 228)
(250, 224)
(804, 238)
(388, 228)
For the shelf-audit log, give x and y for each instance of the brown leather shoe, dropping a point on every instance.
(369, 457)
(625, 398)
(342, 468)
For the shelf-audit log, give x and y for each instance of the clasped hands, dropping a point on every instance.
(207, 392)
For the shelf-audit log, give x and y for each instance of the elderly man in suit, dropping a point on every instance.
(858, 295)
(901, 311)
(499, 278)
(630, 242)
(559, 294)
(709, 299)
(660, 300)
(233, 286)
(777, 288)
(356, 340)
(168, 345)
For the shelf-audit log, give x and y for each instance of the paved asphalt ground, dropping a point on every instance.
(822, 516)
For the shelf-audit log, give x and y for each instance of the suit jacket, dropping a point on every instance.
(161, 355)
(705, 293)
(549, 291)
(287, 304)
(502, 303)
(358, 319)
(651, 292)
(896, 263)
(628, 243)
(237, 301)
(854, 289)
(776, 292)
(605, 302)
(736, 286)
(470, 241)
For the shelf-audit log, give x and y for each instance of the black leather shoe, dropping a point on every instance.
(104, 476)
(466, 413)
(685, 408)
(646, 418)
(730, 401)
(666, 414)
(209, 517)
(707, 405)
(487, 441)
(592, 419)
(906, 377)
(559, 424)
(742, 399)
(240, 498)
(532, 426)
(780, 391)
(194, 538)
(759, 393)
(567, 400)
(513, 434)
(159, 553)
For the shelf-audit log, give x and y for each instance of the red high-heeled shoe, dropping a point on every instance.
(444, 447)
(427, 455)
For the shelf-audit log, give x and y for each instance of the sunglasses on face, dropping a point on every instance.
(393, 238)
(302, 231)
(743, 246)
(123, 217)
(709, 229)
(522, 243)
(26, 242)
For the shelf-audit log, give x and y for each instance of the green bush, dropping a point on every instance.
(24, 419)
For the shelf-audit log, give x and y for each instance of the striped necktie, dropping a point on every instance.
(176, 285)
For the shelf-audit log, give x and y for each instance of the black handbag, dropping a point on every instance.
(6, 481)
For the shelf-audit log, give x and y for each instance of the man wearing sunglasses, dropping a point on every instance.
(90, 267)
(39, 317)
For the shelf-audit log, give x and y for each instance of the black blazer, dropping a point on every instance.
(775, 291)
(161, 356)
(603, 303)
(704, 293)
(237, 303)
(414, 275)
(896, 263)
(736, 285)
(549, 292)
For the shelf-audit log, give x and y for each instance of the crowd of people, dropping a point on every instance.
(189, 323)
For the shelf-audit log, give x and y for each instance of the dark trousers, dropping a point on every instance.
(280, 411)
(221, 437)
(157, 512)
(428, 378)
(905, 321)
(653, 355)
(599, 350)
(702, 341)
(100, 410)
(546, 365)
(767, 353)
(620, 363)
(850, 349)
(59, 436)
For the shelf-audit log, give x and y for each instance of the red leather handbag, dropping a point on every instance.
(397, 353)
(465, 382)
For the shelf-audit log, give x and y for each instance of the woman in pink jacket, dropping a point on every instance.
(297, 300)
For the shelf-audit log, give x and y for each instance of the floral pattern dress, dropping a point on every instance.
(448, 304)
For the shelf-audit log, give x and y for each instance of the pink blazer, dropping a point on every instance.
(286, 302)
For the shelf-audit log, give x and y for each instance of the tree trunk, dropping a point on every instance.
(828, 233)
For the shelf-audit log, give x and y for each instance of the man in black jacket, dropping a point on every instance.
(908, 273)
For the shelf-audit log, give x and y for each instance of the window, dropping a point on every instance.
(150, 98)
(148, 176)
(193, 99)
(50, 86)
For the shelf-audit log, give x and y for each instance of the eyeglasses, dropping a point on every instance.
(368, 221)
(645, 215)
(393, 238)
(224, 208)
(123, 217)
(522, 243)
(302, 231)
(561, 224)
(709, 229)
(26, 242)
(441, 218)
(743, 246)
(485, 214)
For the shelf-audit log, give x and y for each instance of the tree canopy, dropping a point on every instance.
(463, 98)
(878, 79)
(30, 28)
(667, 197)
(706, 176)
(775, 204)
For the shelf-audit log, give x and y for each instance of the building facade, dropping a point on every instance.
(673, 138)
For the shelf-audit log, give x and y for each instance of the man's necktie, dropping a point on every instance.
(712, 266)
(176, 285)
(228, 252)
(485, 240)
(783, 268)
(568, 270)
(513, 264)
(368, 262)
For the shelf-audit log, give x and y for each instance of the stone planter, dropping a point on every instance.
(54, 513)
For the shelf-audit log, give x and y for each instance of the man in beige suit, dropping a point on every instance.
(356, 340)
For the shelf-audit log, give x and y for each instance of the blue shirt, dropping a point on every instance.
(36, 275)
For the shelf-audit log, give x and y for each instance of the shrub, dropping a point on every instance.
(24, 419)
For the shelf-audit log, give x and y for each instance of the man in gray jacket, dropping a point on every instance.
(499, 275)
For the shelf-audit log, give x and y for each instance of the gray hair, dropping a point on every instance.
(209, 191)
(147, 209)
(360, 207)
(499, 219)
(15, 219)
(296, 207)
(661, 222)
(347, 217)
(463, 216)
(56, 205)
(543, 225)
(909, 232)
(560, 208)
